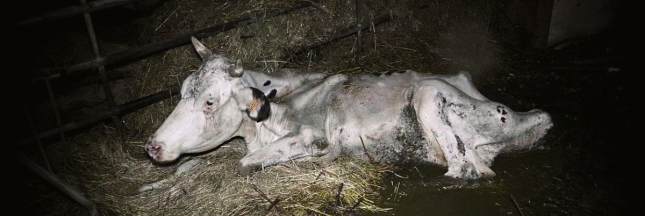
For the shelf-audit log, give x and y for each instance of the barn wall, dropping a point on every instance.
(533, 16)
(554, 21)
(575, 18)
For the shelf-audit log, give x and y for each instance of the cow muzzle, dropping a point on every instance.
(536, 124)
(154, 149)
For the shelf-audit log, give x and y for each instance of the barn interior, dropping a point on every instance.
(88, 84)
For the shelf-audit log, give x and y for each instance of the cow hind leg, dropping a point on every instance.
(431, 98)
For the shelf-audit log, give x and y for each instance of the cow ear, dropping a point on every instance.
(254, 103)
(236, 70)
(201, 49)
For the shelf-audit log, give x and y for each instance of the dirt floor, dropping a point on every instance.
(588, 165)
(585, 88)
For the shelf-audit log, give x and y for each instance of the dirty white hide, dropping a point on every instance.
(391, 117)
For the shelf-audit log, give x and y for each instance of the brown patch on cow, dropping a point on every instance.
(253, 103)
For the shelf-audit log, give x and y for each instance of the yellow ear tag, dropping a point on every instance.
(253, 104)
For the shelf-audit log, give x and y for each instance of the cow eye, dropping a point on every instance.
(209, 103)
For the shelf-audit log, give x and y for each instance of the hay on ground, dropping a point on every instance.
(437, 37)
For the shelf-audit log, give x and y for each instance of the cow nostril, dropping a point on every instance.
(153, 148)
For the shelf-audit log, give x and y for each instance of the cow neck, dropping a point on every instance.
(248, 78)
(248, 130)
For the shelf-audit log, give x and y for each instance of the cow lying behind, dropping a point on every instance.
(393, 117)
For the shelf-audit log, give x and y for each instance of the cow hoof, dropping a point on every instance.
(248, 170)
(470, 171)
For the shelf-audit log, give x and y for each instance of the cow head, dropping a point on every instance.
(509, 132)
(214, 104)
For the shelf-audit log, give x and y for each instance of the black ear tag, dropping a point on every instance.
(259, 108)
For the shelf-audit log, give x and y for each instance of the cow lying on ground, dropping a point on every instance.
(392, 117)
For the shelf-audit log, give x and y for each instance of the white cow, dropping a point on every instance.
(392, 117)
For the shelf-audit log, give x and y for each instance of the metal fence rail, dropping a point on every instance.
(133, 54)
(99, 62)
(115, 111)
(71, 11)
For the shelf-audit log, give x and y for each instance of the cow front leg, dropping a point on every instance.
(305, 143)
(430, 100)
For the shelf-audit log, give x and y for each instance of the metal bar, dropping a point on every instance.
(169, 43)
(97, 55)
(62, 134)
(103, 75)
(55, 109)
(40, 145)
(58, 183)
(117, 110)
(343, 33)
(70, 11)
